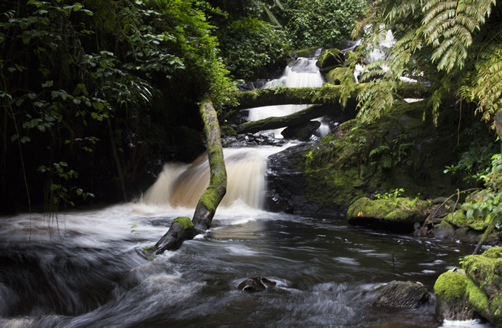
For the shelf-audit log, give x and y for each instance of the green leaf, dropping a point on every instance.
(25, 139)
(47, 84)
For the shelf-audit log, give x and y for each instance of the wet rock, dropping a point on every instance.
(285, 184)
(256, 284)
(251, 140)
(401, 294)
(301, 131)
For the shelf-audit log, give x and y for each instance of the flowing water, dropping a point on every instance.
(300, 73)
(85, 269)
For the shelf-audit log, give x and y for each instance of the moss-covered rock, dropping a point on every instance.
(401, 211)
(398, 150)
(480, 288)
(335, 75)
(307, 52)
(457, 219)
(330, 58)
(452, 301)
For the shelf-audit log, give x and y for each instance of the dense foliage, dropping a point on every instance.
(78, 84)
(320, 23)
(455, 45)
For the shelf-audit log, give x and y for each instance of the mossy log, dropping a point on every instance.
(299, 117)
(327, 94)
(182, 228)
(217, 188)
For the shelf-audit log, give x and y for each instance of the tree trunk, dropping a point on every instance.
(328, 94)
(289, 120)
(182, 228)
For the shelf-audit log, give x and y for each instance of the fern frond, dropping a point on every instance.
(487, 87)
(448, 26)
(375, 99)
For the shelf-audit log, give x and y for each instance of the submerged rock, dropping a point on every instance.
(401, 294)
(256, 284)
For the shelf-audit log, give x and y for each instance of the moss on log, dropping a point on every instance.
(182, 228)
(299, 117)
(327, 94)
(217, 188)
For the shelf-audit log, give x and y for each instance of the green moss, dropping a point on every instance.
(496, 306)
(493, 252)
(184, 221)
(450, 286)
(335, 76)
(480, 223)
(477, 298)
(457, 219)
(400, 209)
(228, 131)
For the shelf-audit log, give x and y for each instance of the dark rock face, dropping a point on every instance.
(256, 284)
(285, 184)
(302, 131)
(401, 294)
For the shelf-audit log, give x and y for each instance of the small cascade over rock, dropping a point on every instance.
(182, 185)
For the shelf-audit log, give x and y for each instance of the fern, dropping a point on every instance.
(379, 150)
(487, 87)
(449, 26)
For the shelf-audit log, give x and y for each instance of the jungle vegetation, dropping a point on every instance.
(454, 47)
(88, 89)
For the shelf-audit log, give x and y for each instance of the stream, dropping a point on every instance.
(85, 269)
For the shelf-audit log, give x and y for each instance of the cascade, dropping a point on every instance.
(182, 185)
(300, 73)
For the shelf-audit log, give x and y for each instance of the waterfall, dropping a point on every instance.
(300, 73)
(182, 185)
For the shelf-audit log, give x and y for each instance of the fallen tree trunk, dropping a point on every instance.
(328, 94)
(297, 118)
(182, 228)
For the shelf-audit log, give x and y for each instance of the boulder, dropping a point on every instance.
(452, 301)
(400, 213)
(476, 289)
(301, 131)
(401, 294)
(330, 58)
(255, 284)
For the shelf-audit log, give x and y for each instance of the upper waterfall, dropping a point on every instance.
(302, 72)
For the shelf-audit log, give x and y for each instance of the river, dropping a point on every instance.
(85, 269)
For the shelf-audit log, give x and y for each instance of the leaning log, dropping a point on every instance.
(182, 228)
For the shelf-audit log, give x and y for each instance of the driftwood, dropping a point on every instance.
(182, 228)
